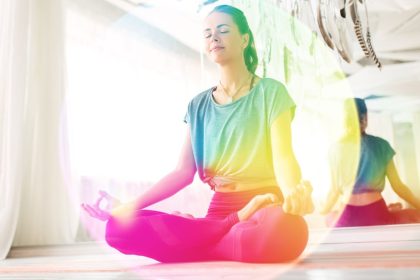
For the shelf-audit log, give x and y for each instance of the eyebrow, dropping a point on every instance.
(220, 25)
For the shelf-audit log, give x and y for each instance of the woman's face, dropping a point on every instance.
(222, 39)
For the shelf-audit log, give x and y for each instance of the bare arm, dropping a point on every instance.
(399, 187)
(332, 198)
(297, 198)
(170, 184)
(286, 168)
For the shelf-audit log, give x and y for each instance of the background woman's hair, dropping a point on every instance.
(361, 108)
(238, 17)
(354, 111)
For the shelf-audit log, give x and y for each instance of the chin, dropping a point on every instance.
(218, 59)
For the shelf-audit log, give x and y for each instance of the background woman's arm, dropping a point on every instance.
(399, 187)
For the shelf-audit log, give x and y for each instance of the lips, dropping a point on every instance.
(217, 48)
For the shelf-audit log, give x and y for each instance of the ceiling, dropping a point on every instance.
(395, 29)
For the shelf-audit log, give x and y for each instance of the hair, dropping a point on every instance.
(361, 108)
(355, 111)
(238, 17)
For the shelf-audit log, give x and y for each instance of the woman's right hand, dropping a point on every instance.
(102, 213)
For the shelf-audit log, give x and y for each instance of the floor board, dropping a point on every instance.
(387, 252)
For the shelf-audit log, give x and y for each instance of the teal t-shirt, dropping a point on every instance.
(232, 142)
(360, 167)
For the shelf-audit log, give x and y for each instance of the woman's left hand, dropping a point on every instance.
(298, 201)
(395, 207)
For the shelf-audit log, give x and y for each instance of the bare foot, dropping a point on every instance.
(257, 202)
(185, 215)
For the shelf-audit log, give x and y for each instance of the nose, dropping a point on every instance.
(214, 37)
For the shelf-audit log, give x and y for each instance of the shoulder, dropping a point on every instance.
(272, 90)
(201, 97)
(381, 148)
(377, 140)
(272, 84)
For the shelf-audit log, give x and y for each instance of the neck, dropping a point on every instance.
(233, 75)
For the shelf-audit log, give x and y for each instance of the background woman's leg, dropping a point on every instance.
(406, 216)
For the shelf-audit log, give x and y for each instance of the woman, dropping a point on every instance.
(239, 141)
(358, 170)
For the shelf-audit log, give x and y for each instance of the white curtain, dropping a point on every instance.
(34, 204)
(13, 45)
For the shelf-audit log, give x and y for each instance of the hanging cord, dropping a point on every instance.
(368, 40)
(366, 45)
(358, 27)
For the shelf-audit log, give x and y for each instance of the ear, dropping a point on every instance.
(245, 40)
(364, 122)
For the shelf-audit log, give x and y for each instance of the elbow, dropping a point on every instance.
(184, 175)
(189, 179)
(400, 189)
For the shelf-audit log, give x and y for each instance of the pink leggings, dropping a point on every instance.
(375, 213)
(268, 236)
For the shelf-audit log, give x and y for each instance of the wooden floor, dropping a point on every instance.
(386, 252)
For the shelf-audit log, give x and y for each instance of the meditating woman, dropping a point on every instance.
(359, 164)
(238, 139)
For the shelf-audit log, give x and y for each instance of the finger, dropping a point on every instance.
(99, 213)
(110, 199)
(104, 193)
(289, 205)
(98, 201)
(89, 210)
(86, 207)
(305, 190)
(303, 202)
(96, 213)
(297, 201)
(308, 206)
(83, 207)
(306, 185)
(298, 205)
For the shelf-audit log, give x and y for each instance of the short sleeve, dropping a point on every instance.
(387, 152)
(187, 115)
(280, 101)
